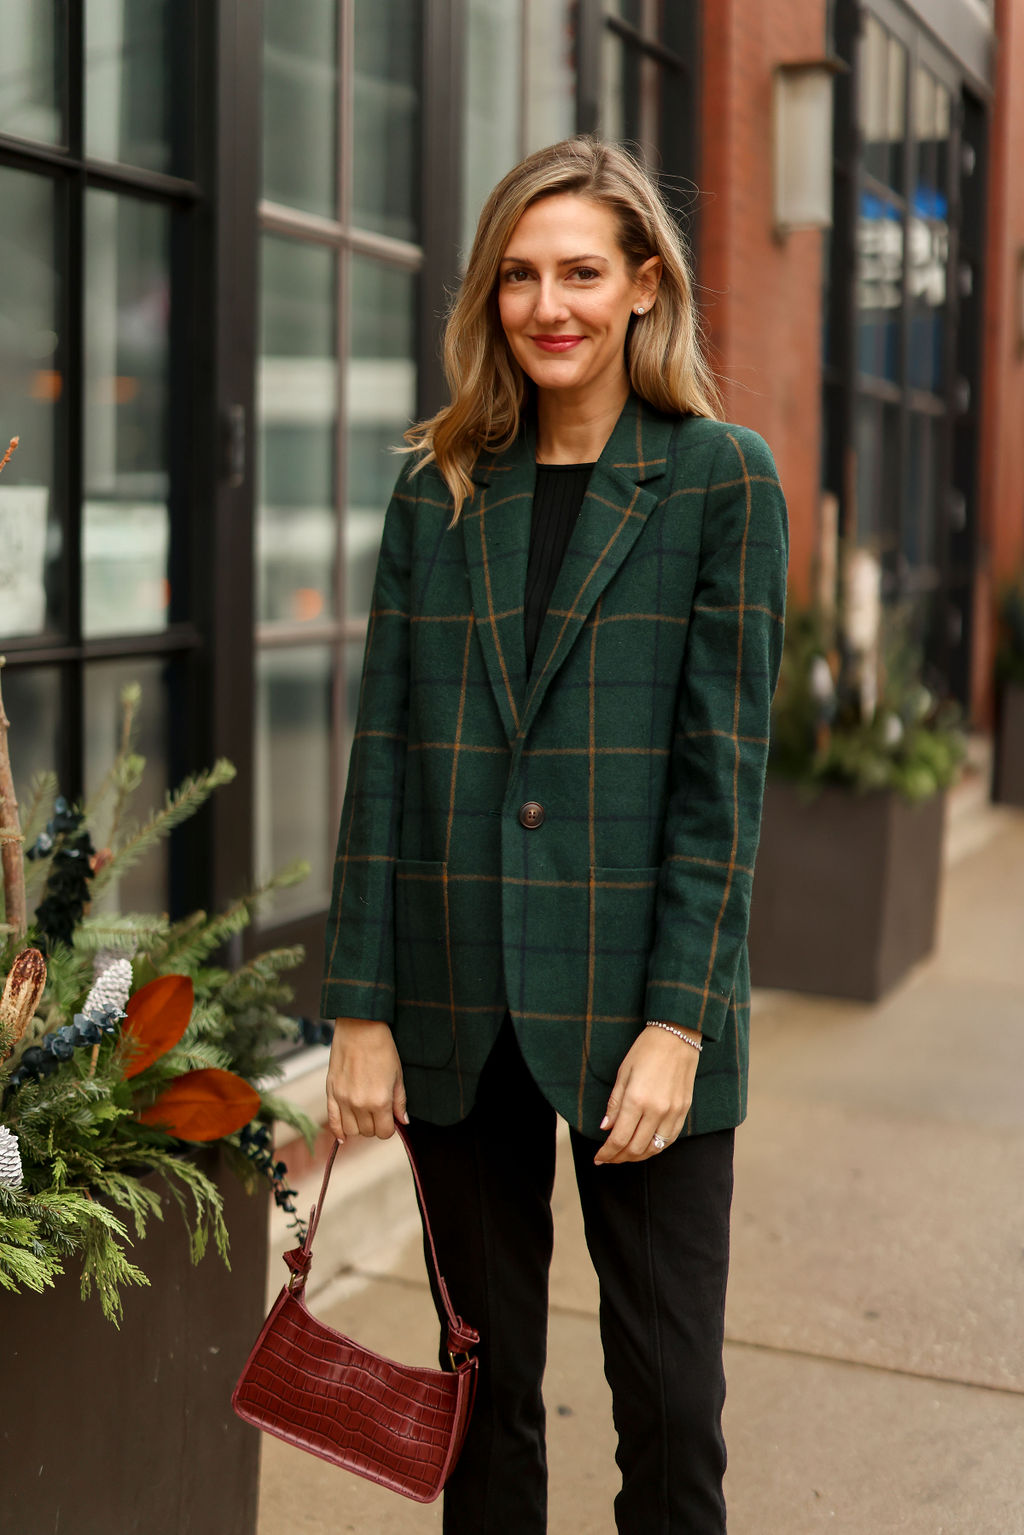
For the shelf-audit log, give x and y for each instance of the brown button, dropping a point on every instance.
(531, 814)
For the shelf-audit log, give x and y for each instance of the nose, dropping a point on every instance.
(551, 305)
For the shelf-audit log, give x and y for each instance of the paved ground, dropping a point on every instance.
(876, 1318)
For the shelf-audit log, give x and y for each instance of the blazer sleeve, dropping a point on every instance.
(359, 966)
(720, 749)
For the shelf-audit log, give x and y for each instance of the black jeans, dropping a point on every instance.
(658, 1235)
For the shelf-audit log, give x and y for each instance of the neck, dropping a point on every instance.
(573, 429)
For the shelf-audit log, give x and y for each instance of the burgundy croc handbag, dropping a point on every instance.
(399, 1425)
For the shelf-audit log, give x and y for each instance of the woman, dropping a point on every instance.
(544, 863)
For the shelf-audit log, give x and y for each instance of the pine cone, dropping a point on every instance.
(111, 989)
(10, 1159)
(22, 991)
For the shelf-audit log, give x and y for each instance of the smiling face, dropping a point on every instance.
(565, 296)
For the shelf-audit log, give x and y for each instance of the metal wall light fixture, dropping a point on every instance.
(803, 143)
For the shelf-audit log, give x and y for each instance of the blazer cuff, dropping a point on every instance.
(358, 999)
(687, 1007)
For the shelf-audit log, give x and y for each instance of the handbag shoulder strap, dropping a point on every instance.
(461, 1337)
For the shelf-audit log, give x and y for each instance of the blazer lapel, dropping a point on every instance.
(614, 511)
(496, 533)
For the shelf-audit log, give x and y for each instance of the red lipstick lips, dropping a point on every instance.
(556, 343)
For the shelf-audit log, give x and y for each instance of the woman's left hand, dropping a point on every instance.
(651, 1096)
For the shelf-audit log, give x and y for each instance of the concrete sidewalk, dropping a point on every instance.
(876, 1318)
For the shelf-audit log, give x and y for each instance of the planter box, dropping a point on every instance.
(846, 891)
(1008, 782)
(108, 1432)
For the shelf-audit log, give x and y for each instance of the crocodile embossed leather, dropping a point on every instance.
(399, 1425)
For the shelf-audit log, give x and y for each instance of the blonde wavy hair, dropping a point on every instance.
(664, 354)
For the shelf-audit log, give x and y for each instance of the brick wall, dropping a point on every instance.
(761, 296)
(1001, 552)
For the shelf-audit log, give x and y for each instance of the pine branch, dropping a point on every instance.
(126, 934)
(179, 805)
(280, 1109)
(42, 792)
(125, 772)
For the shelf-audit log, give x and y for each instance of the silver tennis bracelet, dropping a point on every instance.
(670, 1028)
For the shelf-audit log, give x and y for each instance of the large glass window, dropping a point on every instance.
(337, 388)
(900, 368)
(32, 73)
(31, 385)
(138, 68)
(98, 373)
(126, 519)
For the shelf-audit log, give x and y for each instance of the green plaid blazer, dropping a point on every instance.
(641, 731)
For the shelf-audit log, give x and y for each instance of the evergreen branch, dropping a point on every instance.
(43, 791)
(286, 1113)
(179, 805)
(125, 934)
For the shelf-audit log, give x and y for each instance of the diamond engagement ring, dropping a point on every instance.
(658, 1142)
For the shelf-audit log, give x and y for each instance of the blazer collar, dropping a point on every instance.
(638, 446)
(496, 530)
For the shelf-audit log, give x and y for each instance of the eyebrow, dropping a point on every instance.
(565, 261)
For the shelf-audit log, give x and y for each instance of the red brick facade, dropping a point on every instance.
(762, 295)
(1001, 552)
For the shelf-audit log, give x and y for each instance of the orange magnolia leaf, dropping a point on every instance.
(158, 1015)
(204, 1105)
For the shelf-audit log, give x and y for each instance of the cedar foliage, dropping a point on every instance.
(93, 1173)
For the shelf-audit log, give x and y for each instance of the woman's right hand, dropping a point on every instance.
(365, 1091)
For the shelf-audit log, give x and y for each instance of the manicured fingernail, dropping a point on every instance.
(604, 1123)
(405, 1118)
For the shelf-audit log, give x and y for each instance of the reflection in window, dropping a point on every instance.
(877, 446)
(32, 73)
(491, 109)
(132, 88)
(126, 528)
(298, 412)
(300, 104)
(381, 404)
(31, 383)
(386, 114)
(293, 772)
(33, 704)
(928, 235)
(551, 72)
(882, 104)
(143, 888)
(919, 540)
(879, 286)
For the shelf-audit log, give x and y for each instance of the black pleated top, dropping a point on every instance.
(557, 500)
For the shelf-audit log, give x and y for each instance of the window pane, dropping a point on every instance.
(921, 505)
(300, 104)
(927, 258)
(381, 404)
(872, 97)
(879, 286)
(143, 888)
(492, 102)
(621, 75)
(138, 70)
(877, 448)
(32, 73)
(896, 114)
(551, 72)
(386, 114)
(126, 532)
(32, 701)
(294, 806)
(296, 527)
(31, 384)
